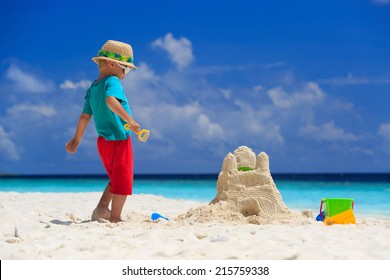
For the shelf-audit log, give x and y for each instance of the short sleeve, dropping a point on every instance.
(87, 105)
(114, 88)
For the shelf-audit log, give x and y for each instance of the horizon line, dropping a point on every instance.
(313, 176)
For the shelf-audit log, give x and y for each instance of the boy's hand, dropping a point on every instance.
(72, 145)
(134, 126)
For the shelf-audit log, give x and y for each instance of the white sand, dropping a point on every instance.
(58, 226)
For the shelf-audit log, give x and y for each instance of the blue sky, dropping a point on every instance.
(308, 82)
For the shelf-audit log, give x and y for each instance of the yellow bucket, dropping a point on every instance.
(346, 217)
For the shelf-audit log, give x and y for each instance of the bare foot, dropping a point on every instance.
(100, 213)
(121, 219)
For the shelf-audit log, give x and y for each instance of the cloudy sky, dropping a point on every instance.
(308, 82)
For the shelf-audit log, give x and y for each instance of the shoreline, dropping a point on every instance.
(315, 211)
(57, 226)
(298, 176)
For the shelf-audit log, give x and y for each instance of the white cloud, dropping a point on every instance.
(179, 50)
(143, 87)
(166, 106)
(69, 85)
(327, 132)
(7, 147)
(27, 82)
(22, 109)
(348, 80)
(156, 105)
(353, 80)
(310, 94)
(137, 78)
(384, 131)
(209, 130)
(252, 122)
(227, 93)
(258, 88)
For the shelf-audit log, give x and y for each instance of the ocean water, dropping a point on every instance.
(371, 192)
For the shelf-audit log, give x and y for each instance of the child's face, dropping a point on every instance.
(126, 69)
(116, 70)
(112, 68)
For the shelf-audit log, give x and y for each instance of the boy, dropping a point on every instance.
(107, 103)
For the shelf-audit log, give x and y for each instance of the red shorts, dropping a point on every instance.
(117, 158)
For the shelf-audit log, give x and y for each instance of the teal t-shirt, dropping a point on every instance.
(108, 124)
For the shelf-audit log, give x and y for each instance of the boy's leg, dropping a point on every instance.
(105, 149)
(116, 207)
(101, 211)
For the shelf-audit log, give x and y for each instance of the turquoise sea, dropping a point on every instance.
(371, 192)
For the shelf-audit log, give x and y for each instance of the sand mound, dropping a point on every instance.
(246, 193)
(220, 213)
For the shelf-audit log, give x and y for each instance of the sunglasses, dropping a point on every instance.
(126, 69)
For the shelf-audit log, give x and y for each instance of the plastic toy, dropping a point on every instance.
(346, 217)
(156, 216)
(335, 206)
(245, 168)
(143, 135)
(337, 211)
(321, 217)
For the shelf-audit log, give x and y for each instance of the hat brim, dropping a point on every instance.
(97, 58)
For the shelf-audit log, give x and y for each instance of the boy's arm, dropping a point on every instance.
(82, 124)
(117, 108)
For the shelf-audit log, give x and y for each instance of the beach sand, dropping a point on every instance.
(58, 226)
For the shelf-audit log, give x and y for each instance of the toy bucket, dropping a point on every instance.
(334, 206)
(346, 217)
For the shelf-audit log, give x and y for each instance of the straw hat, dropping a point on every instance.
(116, 51)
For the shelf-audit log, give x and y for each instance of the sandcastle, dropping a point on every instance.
(246, 185)
(246, 193)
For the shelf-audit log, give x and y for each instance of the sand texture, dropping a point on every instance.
(58, 226)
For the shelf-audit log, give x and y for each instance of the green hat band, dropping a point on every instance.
(115, 56)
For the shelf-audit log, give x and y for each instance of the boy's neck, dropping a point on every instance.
(103, 74)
